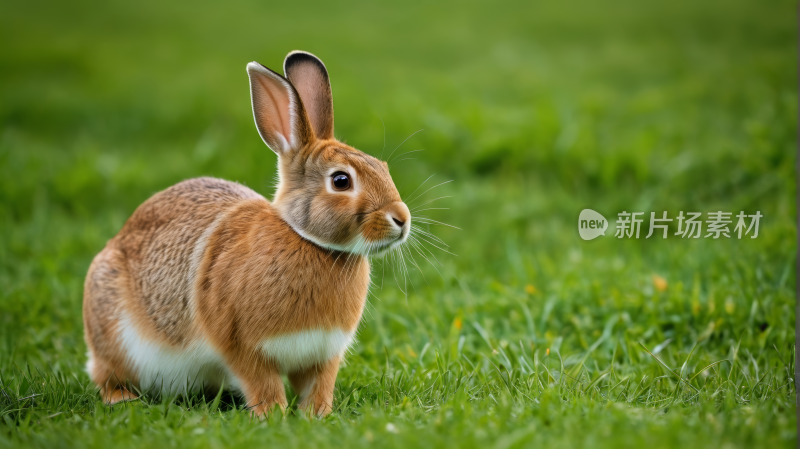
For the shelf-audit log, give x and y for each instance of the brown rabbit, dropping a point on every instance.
(209, 282)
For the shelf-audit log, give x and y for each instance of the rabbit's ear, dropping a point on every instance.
(280, 117)
(310, 77)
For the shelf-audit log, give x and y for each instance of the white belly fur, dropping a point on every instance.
(305, 348)
(170, 371)
(199, 366)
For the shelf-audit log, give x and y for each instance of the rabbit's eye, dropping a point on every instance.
(341, 181)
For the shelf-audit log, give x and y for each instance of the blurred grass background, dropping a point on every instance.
(535, 110)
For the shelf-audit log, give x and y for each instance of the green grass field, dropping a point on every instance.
(527, 336)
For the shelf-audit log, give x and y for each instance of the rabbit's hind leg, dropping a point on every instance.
(103, 296)
(113, 387)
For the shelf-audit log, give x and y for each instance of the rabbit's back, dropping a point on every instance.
(163, 243)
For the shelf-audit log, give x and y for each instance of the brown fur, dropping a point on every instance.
(212, 260)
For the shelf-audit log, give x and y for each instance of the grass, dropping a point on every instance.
(529, 336)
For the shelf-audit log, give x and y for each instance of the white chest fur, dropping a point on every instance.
(305, 348)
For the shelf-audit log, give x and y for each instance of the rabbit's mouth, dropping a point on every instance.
(381, 248)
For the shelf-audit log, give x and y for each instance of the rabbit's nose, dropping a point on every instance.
(398, 214)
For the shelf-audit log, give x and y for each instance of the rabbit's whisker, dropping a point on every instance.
(401, 265)
(430, 253)
(401, 143)
(423, 204)
(428, 234)
(433, 208)
(423, 193)
(414, 262)
(383, 272)
(396, 158)
(422, 184)
(404, 159)
(337, 259)
(415, 245)
(405, 270)
(427, 220)
(395, 269)
(437, 247)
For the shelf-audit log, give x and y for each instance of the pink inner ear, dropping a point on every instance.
(271, 108)
(314, 89)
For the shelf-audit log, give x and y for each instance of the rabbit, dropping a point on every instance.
(208, 283)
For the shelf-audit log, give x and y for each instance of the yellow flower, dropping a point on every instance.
(659, 283)
(730, 306)
(457, 323)
(530, 289)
